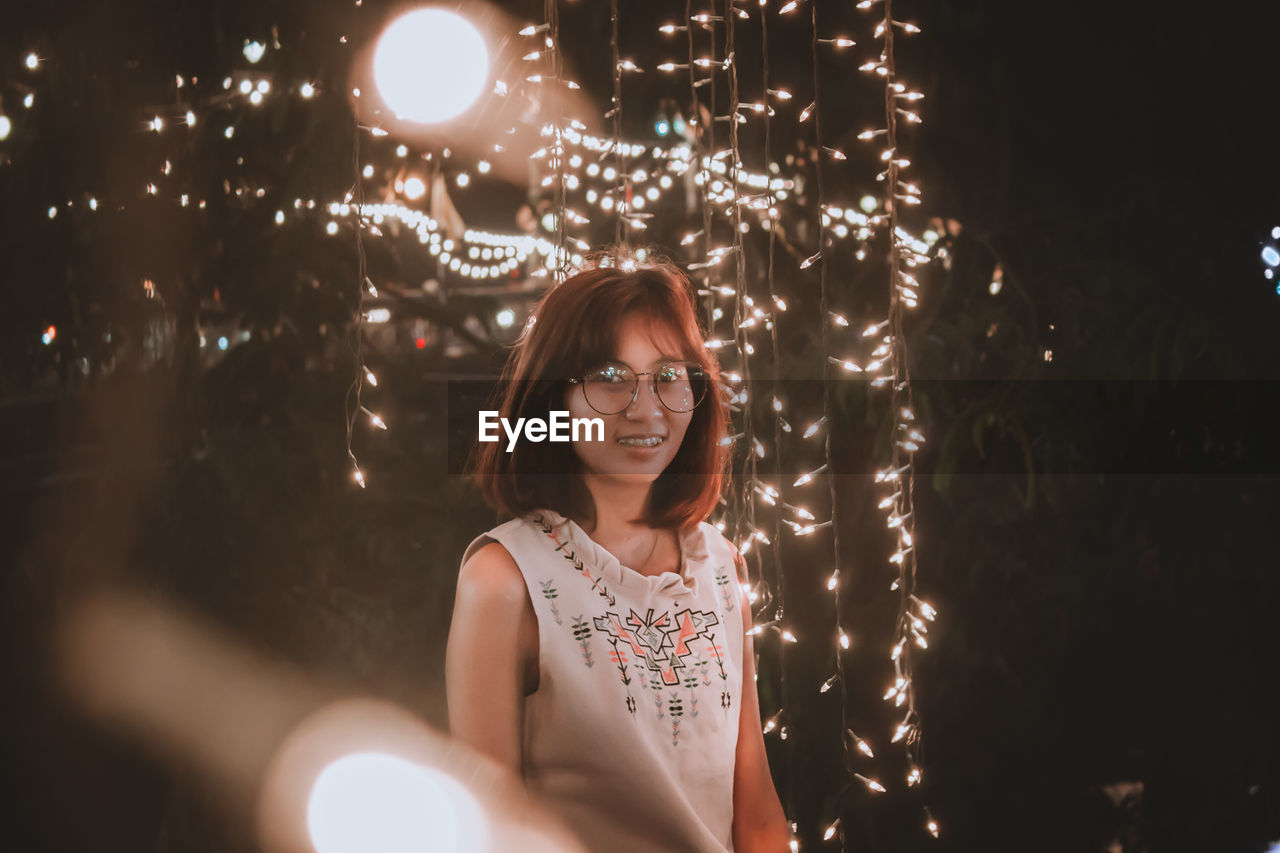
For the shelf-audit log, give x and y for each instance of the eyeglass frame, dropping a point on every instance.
(653, 383)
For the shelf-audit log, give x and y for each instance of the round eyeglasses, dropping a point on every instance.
(611, 388)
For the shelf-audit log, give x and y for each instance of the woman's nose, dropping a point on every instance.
(646, 401)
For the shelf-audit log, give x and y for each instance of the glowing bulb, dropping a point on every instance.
(306, 90)
(253, 51)
(33, 61)
(430, 65)
(414, 188)
(463, 179)
(506, 318)
(871, 784)
(5, 127)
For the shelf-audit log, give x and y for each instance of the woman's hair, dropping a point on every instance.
(574, 327)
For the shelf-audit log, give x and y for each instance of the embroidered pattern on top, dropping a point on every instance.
(597, 583)
(660, 644)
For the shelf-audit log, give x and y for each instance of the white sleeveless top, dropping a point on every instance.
(630, 737)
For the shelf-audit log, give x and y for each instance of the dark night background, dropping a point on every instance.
(1097, 531)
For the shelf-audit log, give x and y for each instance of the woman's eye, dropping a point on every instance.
(609, 376)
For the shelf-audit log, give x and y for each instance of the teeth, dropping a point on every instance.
(641, 442)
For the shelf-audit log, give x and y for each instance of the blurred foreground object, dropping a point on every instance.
(309, 770)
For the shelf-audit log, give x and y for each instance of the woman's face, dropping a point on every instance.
(617, 457)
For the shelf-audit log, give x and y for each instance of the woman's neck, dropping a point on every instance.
(616, 504)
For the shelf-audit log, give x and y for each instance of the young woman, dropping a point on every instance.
(598, 645)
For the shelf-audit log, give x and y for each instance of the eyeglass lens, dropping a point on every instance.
(611, 388)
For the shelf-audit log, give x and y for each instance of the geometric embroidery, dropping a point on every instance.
(582, 633)
(726, 592)
(550, 594)
(662, 642)
(660, 645)
(597, 583)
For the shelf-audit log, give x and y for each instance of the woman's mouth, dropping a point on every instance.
(641, 441)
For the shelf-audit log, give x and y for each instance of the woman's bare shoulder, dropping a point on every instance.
(491, 573)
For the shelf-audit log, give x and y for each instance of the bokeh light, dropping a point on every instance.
(430, 65)
(373, 801)
(414, 188)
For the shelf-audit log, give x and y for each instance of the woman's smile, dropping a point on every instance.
(641, 442)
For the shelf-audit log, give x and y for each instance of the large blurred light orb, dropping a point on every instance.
(414, 188)
(430, 65)
(375, 802)
(5, 127)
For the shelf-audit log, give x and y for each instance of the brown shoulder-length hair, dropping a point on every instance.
(573, 328)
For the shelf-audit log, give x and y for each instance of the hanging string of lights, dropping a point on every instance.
(913, 613)
(849, 740)
(621, 236)
(746, 317)
(354, 402)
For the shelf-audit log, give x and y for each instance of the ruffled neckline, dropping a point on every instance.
(693, 550)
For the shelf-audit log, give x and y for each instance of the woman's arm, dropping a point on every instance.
(483, 670)
(759, 824)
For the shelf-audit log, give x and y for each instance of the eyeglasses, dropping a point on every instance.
(612, 387)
